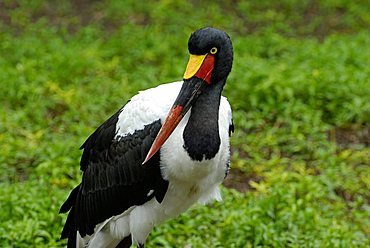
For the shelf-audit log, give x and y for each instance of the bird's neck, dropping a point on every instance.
(201, 134)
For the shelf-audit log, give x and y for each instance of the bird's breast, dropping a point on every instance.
(176, 164)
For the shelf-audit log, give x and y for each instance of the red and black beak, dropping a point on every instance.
(197, 75)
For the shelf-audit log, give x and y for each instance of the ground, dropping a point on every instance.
(299, 89)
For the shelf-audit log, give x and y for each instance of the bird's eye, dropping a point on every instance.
(213, 50)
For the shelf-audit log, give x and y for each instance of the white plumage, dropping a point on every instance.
(164, 150)
(189, 181)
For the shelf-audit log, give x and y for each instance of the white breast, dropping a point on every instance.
(176, 165)
(189, 181)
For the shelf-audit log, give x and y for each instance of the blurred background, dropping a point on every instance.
(299, 88)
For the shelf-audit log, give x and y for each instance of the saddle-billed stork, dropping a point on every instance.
(164, 150)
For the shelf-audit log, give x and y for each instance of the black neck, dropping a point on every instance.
(201, 134)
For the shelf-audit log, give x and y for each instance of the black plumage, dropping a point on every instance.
(125, 243)
(113, 176)
(201, 134)
(99, 140)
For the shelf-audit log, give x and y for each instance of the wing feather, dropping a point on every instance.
(114, 178)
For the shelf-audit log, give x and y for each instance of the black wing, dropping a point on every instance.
(114, 178)
(99, 140)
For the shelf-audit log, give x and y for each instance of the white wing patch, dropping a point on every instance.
(146, 107)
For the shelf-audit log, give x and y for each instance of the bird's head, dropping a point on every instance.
(210, 62)
(211, 56)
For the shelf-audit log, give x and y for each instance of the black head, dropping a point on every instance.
(202, 42)
(210, 62)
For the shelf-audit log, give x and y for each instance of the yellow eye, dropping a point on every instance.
(213, 50)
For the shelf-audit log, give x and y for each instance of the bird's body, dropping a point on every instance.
(137, 174)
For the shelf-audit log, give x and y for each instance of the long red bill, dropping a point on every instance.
(171, 122)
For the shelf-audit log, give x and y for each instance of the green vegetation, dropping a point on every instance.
(300, 91)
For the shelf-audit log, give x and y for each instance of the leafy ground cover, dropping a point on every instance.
(300, 91)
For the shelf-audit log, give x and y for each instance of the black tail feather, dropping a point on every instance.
(125, 243)
(67, 205)
(69, 230)
(72, 239)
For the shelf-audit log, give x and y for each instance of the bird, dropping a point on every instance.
(165, 150)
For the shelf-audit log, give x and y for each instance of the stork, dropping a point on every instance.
(166, 149)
